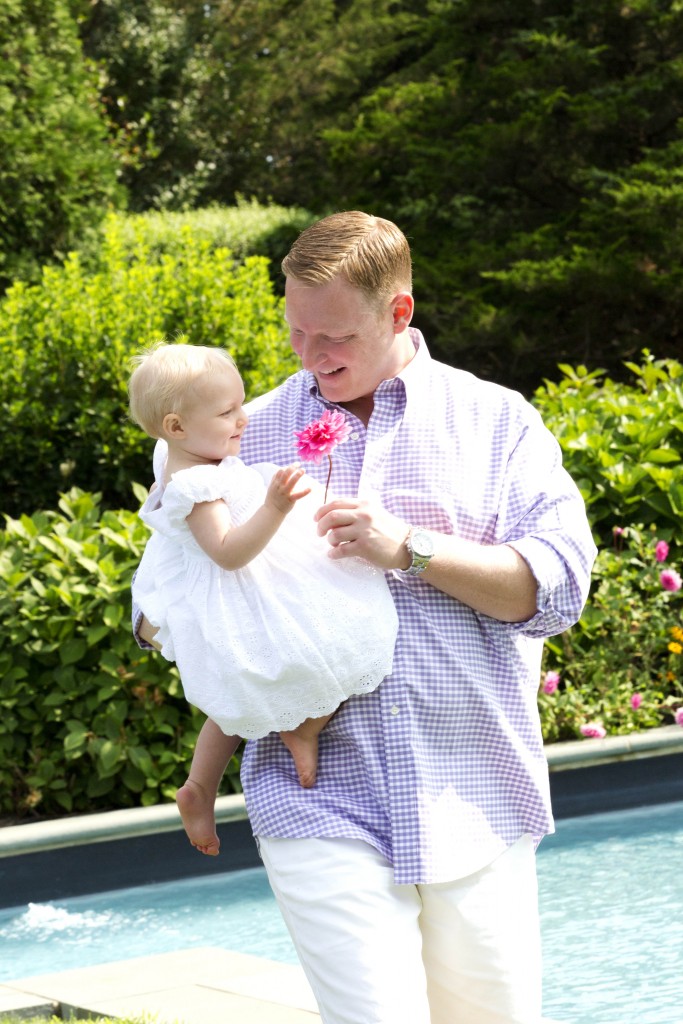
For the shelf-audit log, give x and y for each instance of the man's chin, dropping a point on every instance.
(332, 385)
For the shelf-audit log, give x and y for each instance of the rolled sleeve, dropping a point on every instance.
(562, 568)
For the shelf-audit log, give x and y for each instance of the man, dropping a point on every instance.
(406, 875)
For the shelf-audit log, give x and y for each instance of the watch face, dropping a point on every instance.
(422, 543)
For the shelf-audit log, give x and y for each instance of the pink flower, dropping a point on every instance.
(594, 731)
(319, 439)
(551, 682)
(670, 580)
(618, 531)
(661, 551)
(322, 437)
(678, 716)
(636, 700)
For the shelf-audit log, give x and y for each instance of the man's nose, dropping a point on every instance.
(297, 343)
(306, 349)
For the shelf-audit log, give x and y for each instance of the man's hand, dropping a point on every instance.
(355, 527)
(490, 578)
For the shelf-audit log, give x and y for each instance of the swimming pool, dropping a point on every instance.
(611, 906)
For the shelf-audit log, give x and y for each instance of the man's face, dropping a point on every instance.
(349, 344)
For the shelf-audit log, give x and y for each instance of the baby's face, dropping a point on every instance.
(214, 420)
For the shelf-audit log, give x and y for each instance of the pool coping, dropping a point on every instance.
(59, 833)
(194, 986)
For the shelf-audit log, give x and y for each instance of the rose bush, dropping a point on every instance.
(620, 669)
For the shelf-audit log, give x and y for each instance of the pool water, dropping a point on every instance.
(611, 910)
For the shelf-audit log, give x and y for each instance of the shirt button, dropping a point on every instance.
(395, 710)
(354, 435)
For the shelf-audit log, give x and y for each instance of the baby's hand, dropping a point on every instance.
(281, 494)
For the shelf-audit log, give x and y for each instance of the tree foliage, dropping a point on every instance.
(58, 170)
(530, 150)
(218, 98)
(533, 152)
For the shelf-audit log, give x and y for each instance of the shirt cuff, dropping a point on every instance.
(558, 598)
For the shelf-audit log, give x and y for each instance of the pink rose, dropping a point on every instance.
(678, 716)
(661, 551)
(551, 681)
(636, 700)
(593, 731)
(670, 580)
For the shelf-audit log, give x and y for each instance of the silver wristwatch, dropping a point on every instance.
(420, 548)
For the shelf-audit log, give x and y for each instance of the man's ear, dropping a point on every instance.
(402, 307)
(172, 426)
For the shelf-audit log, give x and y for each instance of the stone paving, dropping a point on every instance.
(194, 986)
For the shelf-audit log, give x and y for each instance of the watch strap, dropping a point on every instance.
(418, 562)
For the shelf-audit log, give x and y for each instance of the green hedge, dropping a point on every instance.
(247, 229)
(65, 346)
(622, 443)
(88, 721)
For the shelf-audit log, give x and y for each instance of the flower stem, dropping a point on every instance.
(329, 474)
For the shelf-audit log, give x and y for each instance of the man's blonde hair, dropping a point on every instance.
(369, 252)
(163, 380)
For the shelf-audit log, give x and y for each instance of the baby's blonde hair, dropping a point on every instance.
(163, 378)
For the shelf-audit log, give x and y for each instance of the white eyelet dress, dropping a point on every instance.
(289, 636)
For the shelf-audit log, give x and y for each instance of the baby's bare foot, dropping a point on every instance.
(302, 743)
(197, 812)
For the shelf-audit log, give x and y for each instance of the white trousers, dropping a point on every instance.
(463, 952)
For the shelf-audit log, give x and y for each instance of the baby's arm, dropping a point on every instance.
(233, 547)
(148, 632)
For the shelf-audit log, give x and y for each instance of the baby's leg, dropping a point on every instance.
(197, 797)
(302, 743)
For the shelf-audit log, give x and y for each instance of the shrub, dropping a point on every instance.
(88, 721)
(620, 669)
(65, 346)
(622, 443)
(246, 229)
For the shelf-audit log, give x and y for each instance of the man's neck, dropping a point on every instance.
(361, 408)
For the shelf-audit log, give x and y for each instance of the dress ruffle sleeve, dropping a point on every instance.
(190, 487)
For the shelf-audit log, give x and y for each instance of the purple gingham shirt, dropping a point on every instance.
(442, 766)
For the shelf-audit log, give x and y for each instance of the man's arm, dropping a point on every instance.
(492, 579)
